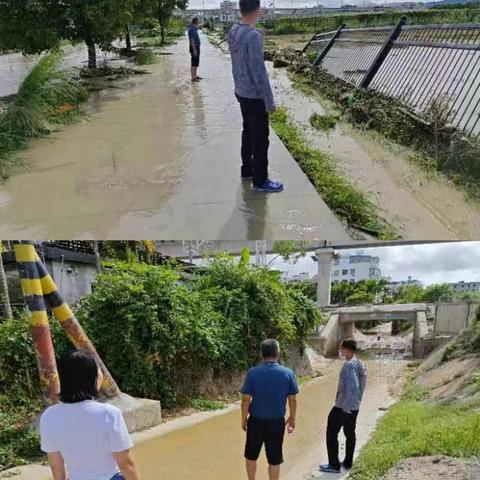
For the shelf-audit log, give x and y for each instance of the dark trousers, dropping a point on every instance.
(254, 140)
(336, 420)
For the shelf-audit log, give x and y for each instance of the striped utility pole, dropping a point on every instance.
(40, 291)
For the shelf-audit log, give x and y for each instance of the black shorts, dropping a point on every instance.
(195, 59)
(268, 432)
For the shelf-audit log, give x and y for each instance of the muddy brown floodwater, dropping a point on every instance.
(213, 449)
(421, 207)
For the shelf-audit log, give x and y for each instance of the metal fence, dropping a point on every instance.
(425, 66)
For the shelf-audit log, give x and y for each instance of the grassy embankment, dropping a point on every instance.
(345, 199)
(418, 426)
(435, 148)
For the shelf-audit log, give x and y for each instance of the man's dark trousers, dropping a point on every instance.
(254, 140)
(336, 420)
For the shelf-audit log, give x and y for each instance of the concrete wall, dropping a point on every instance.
(330, 337)
(452, 318)
(74, 280)
(420, 331)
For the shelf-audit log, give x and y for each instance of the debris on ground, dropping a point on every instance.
(424, 468)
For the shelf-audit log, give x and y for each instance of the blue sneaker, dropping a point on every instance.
(327, 468)
(269, 187)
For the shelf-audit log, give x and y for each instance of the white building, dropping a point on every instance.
(465, 286)
(353, 268)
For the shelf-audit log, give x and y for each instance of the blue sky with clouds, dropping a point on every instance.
(430, 263)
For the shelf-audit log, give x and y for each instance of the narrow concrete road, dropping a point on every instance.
(158, 157)
(209, 445)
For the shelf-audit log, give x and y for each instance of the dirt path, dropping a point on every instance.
(210, 445)
(159, 157)
(419, 207)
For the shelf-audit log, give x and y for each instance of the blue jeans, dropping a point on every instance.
(118, 476)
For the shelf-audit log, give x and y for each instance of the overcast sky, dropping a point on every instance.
(291, 3)
(432, 263)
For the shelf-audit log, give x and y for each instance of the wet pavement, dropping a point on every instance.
(159, 157)
(209, 445)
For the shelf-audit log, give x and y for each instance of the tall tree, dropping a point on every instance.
(165, 9)
(33, 26)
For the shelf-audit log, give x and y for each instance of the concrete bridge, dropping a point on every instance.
(341, 324)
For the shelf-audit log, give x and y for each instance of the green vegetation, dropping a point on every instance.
(438, 149)
(145, 56)
(370, 291)
(46, 97)
(346, 200)
(327, 23)
(204, 404)
(467, 342)
(411, 429)
(33, 27)
(19, 394)
(159, 334)
(323, 122)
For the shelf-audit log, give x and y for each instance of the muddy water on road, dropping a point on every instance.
(420, 207)
(213, 449)
(115, 160)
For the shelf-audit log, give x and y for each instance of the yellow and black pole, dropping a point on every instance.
(40, 291)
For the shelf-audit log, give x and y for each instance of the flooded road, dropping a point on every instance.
(419, 206)
(14, 67)
(213, 449)
(158, 156)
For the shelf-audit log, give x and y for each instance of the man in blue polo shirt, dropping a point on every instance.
(194, 46)
(264, 400)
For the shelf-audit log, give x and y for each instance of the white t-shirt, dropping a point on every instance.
(85, 433)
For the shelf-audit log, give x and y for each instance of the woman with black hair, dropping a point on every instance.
(87, 438)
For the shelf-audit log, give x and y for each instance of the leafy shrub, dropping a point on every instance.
(145, 56)
(161, 334)
(467, 342)
(323, 122)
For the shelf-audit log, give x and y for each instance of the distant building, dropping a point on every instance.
(354, 268)
(462, 286)
(228, 11)
(395, 286)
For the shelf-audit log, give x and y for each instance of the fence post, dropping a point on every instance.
(382, 54)
(324, 52)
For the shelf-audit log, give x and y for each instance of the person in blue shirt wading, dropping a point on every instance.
(264, 401)
(351, 385)
(253, 91)
(194, 45)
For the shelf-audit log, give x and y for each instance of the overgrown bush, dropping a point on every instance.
(155, 330)
(145, 56)
(19, 394)
(467, 342)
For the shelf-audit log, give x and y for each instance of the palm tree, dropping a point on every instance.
(4, 296)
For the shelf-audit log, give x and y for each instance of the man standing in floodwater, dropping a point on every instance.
(351, 385)
(264, 400)
(253, 91)
(194, 45)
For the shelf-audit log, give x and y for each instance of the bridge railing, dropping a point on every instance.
(427, 67)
